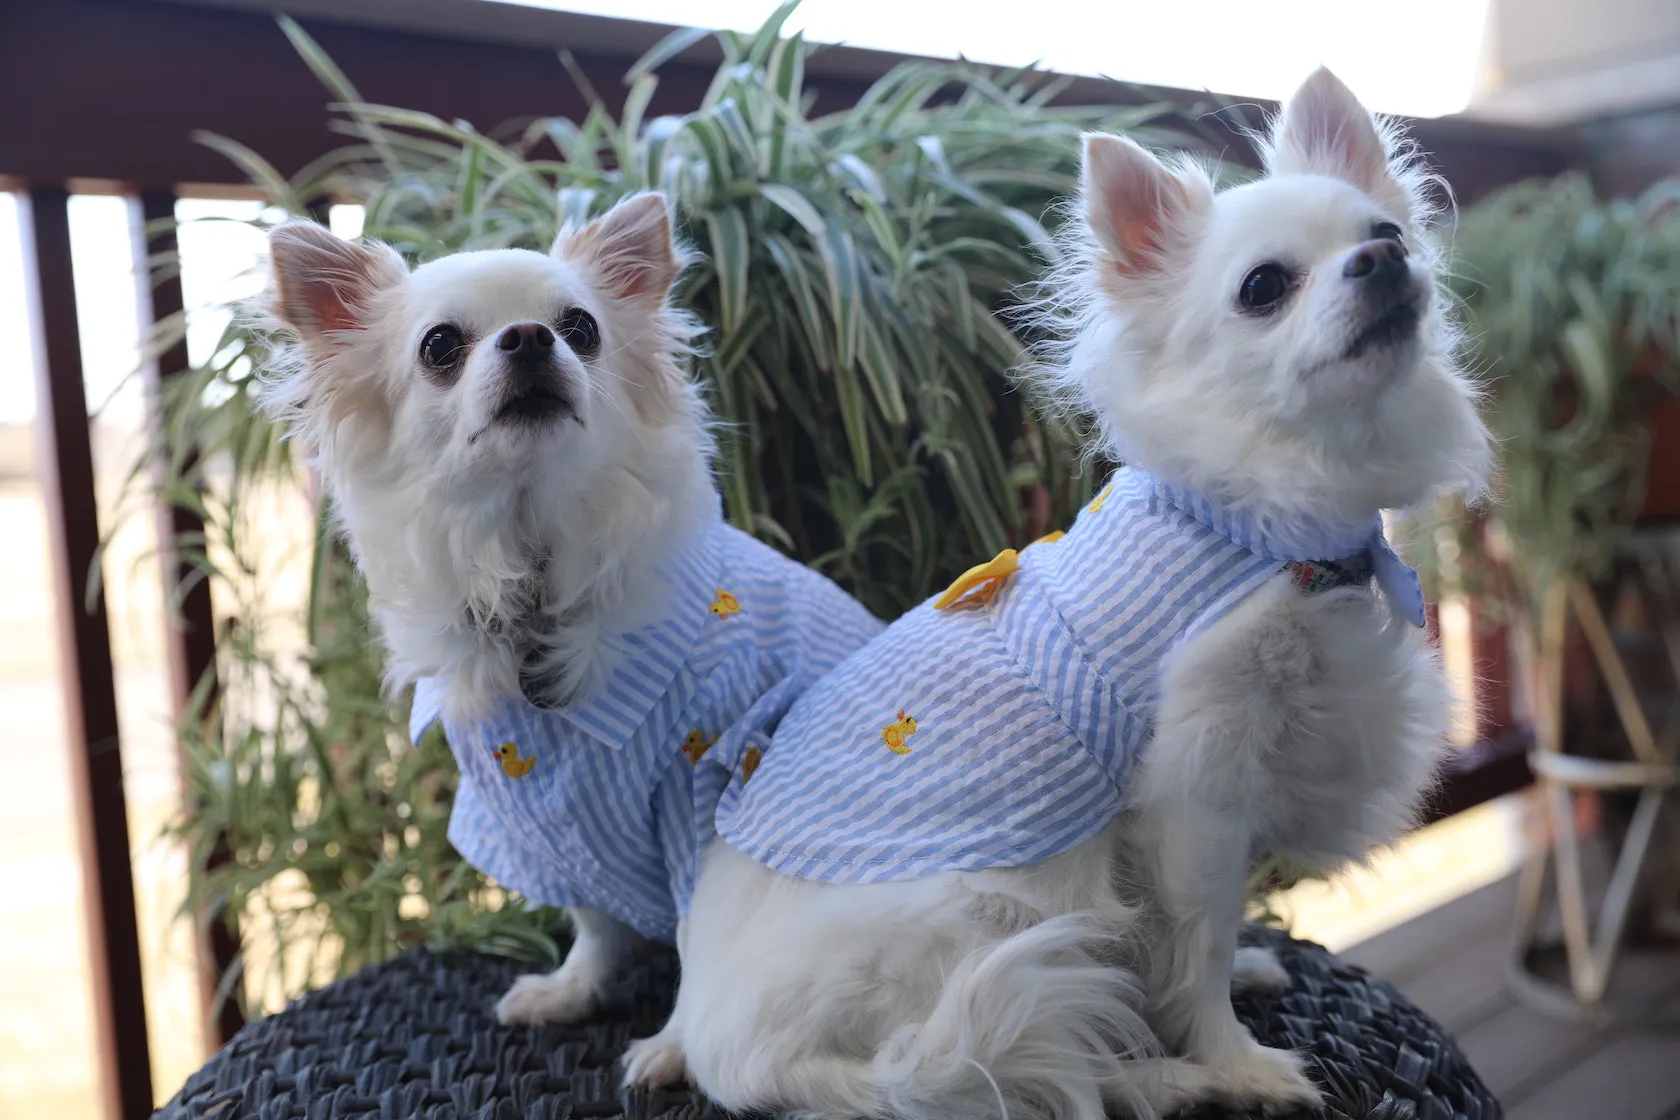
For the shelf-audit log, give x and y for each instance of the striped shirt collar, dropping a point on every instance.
(1297, 539)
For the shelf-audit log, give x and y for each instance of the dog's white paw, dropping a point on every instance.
(552, 997)
(1259, 970)
(655, 1062)
(1271, 1080)
(1259, 1077)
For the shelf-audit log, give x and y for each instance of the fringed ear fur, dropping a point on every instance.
(1324, 130)
(323, 283)
(1131, 202)
(631, 246)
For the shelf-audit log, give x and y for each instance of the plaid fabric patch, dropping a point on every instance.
(1325, 575)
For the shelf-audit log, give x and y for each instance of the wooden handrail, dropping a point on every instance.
(85, 670)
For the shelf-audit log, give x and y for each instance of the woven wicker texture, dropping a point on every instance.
(415, 1038)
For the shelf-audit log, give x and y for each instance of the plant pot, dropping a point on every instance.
(1662, 472)
(1490, 658)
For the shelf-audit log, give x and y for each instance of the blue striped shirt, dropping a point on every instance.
(608, 801)
(1000, 732)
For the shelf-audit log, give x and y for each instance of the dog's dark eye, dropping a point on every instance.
(442, 347)
(1263, 287)
(1388, 231)
(577, 328)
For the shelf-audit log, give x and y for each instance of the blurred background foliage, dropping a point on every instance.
(1569, 304)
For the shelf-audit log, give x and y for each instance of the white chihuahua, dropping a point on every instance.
(519, 461)
(965, 835)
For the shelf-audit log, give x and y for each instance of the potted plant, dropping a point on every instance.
(1570, 303)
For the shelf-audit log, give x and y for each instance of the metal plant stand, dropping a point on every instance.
(1594, 936)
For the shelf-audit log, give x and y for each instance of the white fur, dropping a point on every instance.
(981, 994)
(1299, 723)
(1258, 969)
(486, 543)
(600, 945)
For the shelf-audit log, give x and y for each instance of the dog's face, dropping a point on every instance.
(504, 356)
(509, 437)
(1280, 336)
(1308, 289)
(480, 371)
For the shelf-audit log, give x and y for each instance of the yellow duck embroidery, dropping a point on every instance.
(512, 765)
(894, 734)
(1097, 502)
(749, 763)
(725, 604)
(696, 745)
(981, 583)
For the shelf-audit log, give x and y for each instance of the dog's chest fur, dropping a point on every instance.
(1316, 715)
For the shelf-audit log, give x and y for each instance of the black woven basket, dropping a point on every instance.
(415, 1039)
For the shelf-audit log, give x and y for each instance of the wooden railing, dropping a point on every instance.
(111, 91)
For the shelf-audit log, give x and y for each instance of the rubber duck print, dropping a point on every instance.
(725, 604)
(749, 763)
(894, 734)
(512, 765)
(695, 745)
(1097, 502)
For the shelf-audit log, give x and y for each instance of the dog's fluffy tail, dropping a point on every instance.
(1035, 1025)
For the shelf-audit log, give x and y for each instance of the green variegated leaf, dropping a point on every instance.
(854, 419)
(769, 33)
(883, 375)
(731, 256)
(258, 170)
(796, 206)
(673, 44)
(714, 143)
(845, 291)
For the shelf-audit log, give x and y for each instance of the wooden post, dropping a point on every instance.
(190, 640)
(85, 669)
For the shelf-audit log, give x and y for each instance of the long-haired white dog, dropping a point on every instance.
(963, 837)
(520, 463)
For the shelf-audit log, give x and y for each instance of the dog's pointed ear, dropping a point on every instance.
(323, 283)
(1131, 202)
(631, 246)
(1324, 130)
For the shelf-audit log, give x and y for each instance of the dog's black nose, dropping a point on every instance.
(526, 341)
(1380, 261)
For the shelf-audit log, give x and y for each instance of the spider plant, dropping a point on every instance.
(855, 265)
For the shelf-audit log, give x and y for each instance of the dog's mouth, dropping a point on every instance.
(1395, 325)
(537, 405)
(534, 409)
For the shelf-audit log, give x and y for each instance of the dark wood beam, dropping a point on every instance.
(85, 668)
(1628, 153)
(148, 74)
